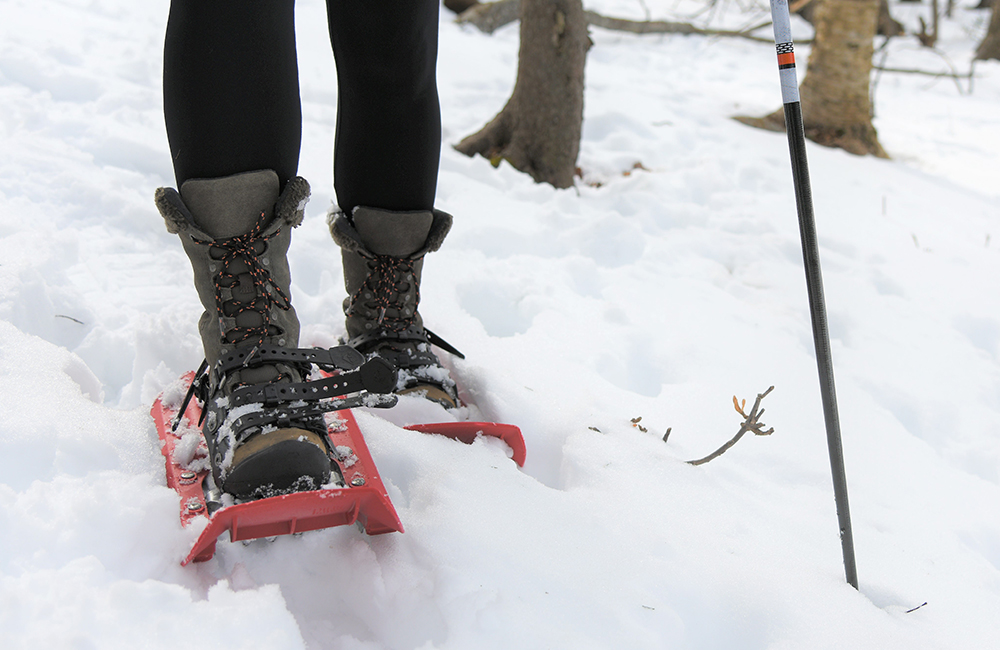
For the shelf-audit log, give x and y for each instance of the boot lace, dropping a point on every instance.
(387, 277)
(267, 294)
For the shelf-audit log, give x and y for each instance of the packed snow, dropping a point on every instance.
(666, 282)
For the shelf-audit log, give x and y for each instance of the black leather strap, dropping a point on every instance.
(375, 376)
(285, 415)
(338, 358)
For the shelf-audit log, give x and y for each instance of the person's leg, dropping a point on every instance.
(385, 173)
(231, 104)
(231, 88)
(388, 120)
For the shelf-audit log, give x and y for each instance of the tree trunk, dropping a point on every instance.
(836, 108)
(538, 131)
(990, 47)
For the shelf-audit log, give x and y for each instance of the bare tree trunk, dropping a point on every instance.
(990, 47)
(538, 131)
(836, 108)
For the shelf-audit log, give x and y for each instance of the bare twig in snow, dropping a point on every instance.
(751, 422)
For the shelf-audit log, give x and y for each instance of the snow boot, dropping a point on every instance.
(383, 255)
(236, 231)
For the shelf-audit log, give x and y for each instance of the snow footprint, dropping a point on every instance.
(502, 309)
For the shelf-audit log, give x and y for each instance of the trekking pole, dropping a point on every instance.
(814, 278)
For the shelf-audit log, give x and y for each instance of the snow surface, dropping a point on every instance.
(660, 294)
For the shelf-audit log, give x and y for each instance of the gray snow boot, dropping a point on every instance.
(383, 254)
(236, 231)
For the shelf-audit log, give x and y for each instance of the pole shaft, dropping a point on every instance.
(814, 277)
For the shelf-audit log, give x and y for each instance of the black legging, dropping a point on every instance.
(231, 95)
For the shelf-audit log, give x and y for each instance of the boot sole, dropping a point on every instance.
(431, 392)
(278, 462)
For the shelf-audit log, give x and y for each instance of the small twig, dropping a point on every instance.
(635, 423)
(751, 422)
(666, 27)
(667, 434)
(70, 318)
(928, 73)
(884, 50)
(645, 9)
(910, 611)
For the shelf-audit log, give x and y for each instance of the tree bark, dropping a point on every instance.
(887, 25)
(538, 131)
(990, 47)
(836, 107)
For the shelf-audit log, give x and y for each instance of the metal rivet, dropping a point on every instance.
(195, 506)
(188, 477)
(358, 481)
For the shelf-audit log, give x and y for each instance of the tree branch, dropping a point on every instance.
(490, 16)
(751, 422)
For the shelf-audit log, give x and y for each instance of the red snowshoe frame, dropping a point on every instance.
(364, 500)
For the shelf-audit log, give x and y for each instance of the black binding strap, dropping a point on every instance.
(375, 376)
(192, 389)
(284, 415)
(338, 358)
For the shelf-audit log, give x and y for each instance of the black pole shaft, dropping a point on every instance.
(814, 278)
(821, 333)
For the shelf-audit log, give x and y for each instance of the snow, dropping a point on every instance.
(660, 294)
